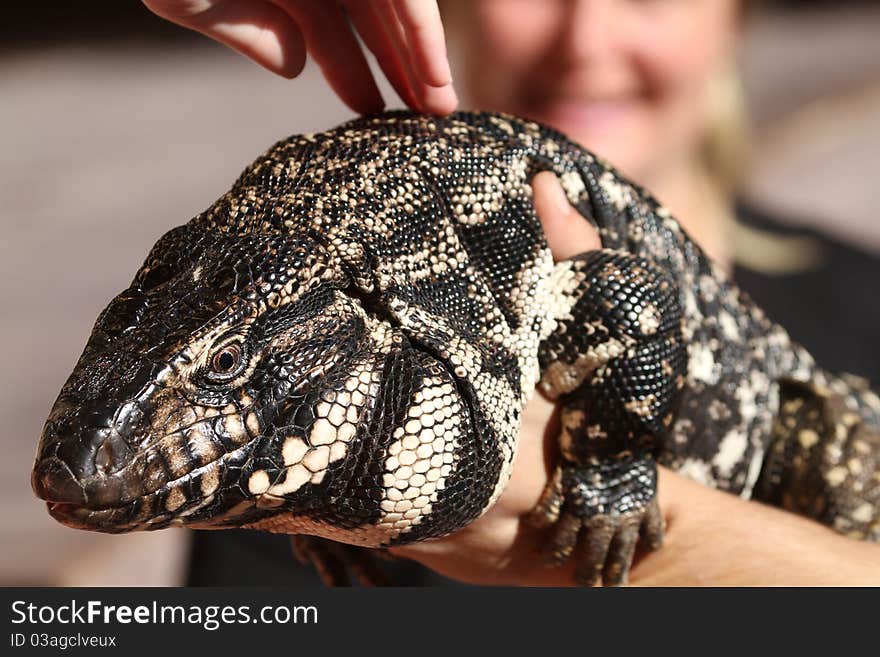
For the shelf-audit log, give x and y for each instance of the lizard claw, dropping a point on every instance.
(333, 561)
(601, 543)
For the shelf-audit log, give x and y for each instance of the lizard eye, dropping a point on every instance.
(226, 363)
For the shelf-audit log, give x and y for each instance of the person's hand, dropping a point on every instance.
(712, 538)
(406, 36)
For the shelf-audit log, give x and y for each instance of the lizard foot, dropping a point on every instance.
(596, 514)
(333, 561)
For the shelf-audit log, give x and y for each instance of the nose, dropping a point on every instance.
(584, 30)
(53, 481)
(80, 455)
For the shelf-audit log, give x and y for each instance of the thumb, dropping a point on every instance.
(568, 233)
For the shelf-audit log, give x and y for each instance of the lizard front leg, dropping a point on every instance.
(617, 364)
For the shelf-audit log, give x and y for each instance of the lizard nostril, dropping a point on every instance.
(111, 455)
(104, 458)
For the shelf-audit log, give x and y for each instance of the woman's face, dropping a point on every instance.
(628, 79)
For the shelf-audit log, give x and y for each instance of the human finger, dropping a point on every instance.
(371, 28)
(568, 232)
(331, 42)
(257, 29)
(424, 33)
(435, 100)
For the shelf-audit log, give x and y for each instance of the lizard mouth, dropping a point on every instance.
(139, 514)
(69, 502)
(192, 500)
(112, 520)
(145, 512)
(78, 516)
(67, 513)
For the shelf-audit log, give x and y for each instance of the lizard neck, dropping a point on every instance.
(700, 205)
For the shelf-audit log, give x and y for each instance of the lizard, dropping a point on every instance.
(341, 346)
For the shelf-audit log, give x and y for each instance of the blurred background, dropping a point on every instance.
(116, 126)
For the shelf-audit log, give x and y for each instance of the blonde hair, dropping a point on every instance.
(726, 143)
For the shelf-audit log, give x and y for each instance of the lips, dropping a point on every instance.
(578, 116)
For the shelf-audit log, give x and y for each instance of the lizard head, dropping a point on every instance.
(284, 363)
(224, 385)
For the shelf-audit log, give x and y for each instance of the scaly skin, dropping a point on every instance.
(342, 345)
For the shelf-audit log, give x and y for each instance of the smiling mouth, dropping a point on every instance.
(582, 113)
